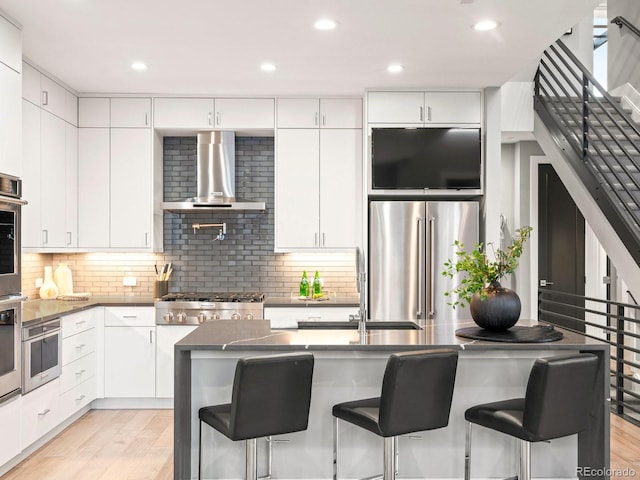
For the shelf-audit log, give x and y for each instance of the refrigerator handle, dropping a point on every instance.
(421, 267)
(432, 256)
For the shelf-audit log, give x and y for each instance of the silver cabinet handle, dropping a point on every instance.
(315, 119)
(428, 114)
(315, 239)
(81, 346)
(80, 322)
(218, 118)
(324, 119)
(45, 237)
(45, 97)
(80, 398)
(129, 316)
(421, 114)
(146, 118)
(150, 336)
(146, 239)
(44, 412)
(80, 372)
(68, 238)
(324, 243)
(209, 118)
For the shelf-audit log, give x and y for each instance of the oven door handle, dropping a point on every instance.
(12, 201)
(12, 299)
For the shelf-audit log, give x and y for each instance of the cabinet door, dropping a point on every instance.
(31, 84)
(298, 113)
(395, 107)
(131, 112)
(40, 412)
(129, 362)
(297, 189)
(10, 421)
(183, 113)
(10, 45)
(53, 181)
(94, 112)
(70, 108)
(10, 121)
(453, 107)
(244, 113)
(31, 233)
(167, 338)
(93, 187)
(340, 187)
(130, 188)
(53, 98)
(71, 186)
(340, 113)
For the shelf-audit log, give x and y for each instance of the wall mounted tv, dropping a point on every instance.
(426, 158)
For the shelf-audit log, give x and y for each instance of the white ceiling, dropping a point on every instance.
(216, 47)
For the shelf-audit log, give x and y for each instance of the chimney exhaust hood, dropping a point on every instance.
(216, 177)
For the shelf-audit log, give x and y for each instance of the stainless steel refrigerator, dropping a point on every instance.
(409, 242)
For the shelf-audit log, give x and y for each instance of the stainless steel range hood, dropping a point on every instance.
(216, 177)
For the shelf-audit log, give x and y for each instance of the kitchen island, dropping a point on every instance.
(349, 365)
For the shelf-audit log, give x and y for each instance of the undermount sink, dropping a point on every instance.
(347, 325)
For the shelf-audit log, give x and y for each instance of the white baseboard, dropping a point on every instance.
(132, 403)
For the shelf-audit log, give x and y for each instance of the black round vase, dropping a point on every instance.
(499, 311)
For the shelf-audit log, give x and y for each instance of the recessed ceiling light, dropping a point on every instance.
(267, 67)
(139, 66)
(395, 68)
(325, 24)
(485, 25)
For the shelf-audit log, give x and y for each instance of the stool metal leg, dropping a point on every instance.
(200, 451)
(252, 459)
(389, 472)
(525, 460)
(467, 453)
(396, 456)
(335, 448)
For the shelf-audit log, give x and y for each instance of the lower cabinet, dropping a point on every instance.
(10, 445)
(129, 352)
(41, 412)
(168, 335)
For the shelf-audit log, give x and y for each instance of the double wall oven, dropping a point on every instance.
(10, 287)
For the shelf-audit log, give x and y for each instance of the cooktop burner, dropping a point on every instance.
(232, 297)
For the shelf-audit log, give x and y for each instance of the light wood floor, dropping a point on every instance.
(138, 444)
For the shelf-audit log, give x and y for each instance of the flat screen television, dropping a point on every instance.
(426, 158)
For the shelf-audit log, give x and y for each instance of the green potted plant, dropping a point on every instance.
(492, 306)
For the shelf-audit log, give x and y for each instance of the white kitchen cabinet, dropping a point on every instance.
(188, 113)
(71, 186)
(131, 112)
(318, 195)
(49, 95)
(424, 108)
(31, 84)
(93, 187)
(130, 188)
(288, 317)
(52, 180)
(10, 121)
(40, 412)
(31, 215)
(129, 352)
(79, 362)
(77, 397)
(10, 45)
(79, 322)
(10, 445)
(94, 112)
(319, 113)
(244, 113)
(167, 336)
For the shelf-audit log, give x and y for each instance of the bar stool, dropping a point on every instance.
(417, 389)
(557, 403)
(271, 395)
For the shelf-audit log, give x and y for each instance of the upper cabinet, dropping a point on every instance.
(10, 101)
(319, 113)
(425, 108)
(10, 45)
(131, 112)
(49, 95)
(209, 113)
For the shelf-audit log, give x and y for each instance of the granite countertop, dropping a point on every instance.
(257, 335)
(37, 310)
(346, 301)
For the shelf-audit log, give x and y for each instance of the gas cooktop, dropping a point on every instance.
(230, 297)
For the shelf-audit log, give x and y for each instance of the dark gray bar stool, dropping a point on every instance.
(417, 389)
(271, 396)
(557, 403)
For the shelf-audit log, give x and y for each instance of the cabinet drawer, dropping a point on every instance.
(77, 372)
(76, 323)
(73, 400)
(40, 412)
(77, 346)
(129, 317)
(10, 421)
(288, 317)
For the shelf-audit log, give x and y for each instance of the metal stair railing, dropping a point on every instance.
(621, 21)
(580, 113)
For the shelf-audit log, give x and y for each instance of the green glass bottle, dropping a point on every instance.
(304, 285)
(317, 286)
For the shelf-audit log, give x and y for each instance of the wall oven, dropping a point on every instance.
(41, 353)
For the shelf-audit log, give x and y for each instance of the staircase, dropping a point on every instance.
(599, 144)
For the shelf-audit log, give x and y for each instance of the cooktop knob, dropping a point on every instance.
(202, 317)
(248, 316)
(235, 316)
(181, 317)
(215, 316)
(168, 317)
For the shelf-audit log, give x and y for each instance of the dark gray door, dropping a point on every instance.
(560, 249)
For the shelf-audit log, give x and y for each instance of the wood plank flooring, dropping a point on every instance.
(138, 445)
